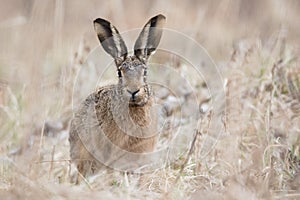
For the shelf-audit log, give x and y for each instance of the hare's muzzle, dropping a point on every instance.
(133, 95)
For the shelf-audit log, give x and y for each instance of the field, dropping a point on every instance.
(226, 75)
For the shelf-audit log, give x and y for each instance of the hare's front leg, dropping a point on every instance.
(84, 162)
(84, 167)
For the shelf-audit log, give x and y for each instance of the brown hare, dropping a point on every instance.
(118, 119)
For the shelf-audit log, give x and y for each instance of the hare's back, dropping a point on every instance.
(86, 114)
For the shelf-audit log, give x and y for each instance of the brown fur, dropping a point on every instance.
(118, 121)
(103, 106)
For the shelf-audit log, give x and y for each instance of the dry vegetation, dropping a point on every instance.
(255, 45)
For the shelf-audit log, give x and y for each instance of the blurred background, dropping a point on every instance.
(41, 41)
(39, 38)
(34, 33)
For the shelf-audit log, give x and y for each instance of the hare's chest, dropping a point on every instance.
(132, 129)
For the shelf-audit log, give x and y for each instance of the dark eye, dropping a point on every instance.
(136, 63)
(124, 65)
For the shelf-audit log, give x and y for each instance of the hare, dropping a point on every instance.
(118, 119)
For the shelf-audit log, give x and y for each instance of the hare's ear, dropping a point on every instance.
(149, 38)
(110, 39)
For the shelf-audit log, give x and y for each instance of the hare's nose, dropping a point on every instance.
(133, 94)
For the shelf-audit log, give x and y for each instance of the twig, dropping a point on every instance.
(84, 179)
(51, 163)
(41, 140)
(191, 149)
(45, 161)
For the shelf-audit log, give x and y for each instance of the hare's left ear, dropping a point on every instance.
(149, 38)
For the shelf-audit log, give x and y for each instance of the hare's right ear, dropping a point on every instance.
(110, 39)
(149, 38)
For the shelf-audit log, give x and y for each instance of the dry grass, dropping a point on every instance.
(256, 47)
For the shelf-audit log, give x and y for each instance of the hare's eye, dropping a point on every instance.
(124, 65)
(135, 64)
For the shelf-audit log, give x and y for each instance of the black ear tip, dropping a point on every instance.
(160, 17)
(101, 21)
(98, 20)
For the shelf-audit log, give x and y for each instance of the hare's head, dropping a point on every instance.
(132, 70)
